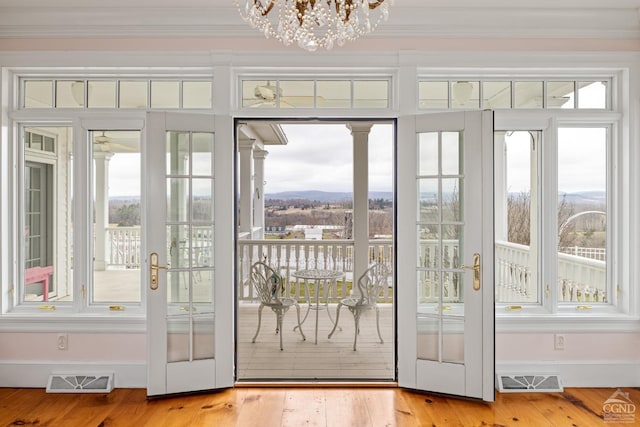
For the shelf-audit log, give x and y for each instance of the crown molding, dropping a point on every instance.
(432, 22)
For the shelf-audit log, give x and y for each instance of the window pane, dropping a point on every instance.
(516, 224)
(560, 94)
(102, 94)
(38, 94)
(47, 217)
(69, 94)
(582, 215)
(370, 94)
(133, 94)
(496, 94)
(333, 94)
(528, 94)
(259, 93)
(196, 95)
(592, 95)
(116, 196)
(296, 94)
(433, 95)
(465, 95)
(165, 94)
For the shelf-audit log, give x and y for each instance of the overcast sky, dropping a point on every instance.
(320, 157)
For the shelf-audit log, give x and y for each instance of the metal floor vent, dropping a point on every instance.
(77, 383)
(529, 383)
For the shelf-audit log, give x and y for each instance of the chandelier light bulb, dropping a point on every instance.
(314, 24)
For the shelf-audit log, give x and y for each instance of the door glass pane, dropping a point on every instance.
(46, 215)
(202, 154)
(440, 230)
(516, 216)
(582, 215)
(428, 153)
(190, 246)
(178, 153)
(202, 201)
(453, 339)
(117, 227)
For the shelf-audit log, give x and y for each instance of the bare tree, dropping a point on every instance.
(519, 218)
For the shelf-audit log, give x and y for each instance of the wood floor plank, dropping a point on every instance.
(346, 406)
(432, 410)
(388, 407)
(305, 406)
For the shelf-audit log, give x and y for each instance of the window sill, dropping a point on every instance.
(117, 322)
(514, 322)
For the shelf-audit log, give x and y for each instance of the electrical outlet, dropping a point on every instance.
(558, 342)
(63, 341)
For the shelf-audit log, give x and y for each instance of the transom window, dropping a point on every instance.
(284, 93)
(498, 94)
(116, 93)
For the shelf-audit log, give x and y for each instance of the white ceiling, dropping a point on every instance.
(617, 19)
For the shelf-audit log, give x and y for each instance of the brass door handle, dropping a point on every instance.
(153, 270)
(476, 271)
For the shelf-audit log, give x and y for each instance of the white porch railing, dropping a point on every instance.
(291, 255)
(124, 247)
(580, 279)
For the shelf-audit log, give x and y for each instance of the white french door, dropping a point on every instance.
(189, 260)
(445, 254)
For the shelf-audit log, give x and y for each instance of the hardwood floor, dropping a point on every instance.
(331, 407)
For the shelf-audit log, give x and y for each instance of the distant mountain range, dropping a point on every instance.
(324, 196)
(582, 197)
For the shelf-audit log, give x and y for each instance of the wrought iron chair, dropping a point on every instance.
(370, 285)
(269, 285)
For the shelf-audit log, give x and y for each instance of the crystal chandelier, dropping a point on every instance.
(314, 24)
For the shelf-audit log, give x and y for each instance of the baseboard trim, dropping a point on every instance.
(35, 373)
(133, 374)
(580, 373)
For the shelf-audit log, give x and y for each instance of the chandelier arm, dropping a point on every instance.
(264, 11)
(302, 9)
(375, 4)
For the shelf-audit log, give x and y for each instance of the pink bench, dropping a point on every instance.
(37, 275)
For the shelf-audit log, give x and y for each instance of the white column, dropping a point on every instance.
(101, 161)
(245, 216)
(360, 133)
(258, 193)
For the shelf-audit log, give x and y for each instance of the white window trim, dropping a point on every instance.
(619, 315)
(409, 65)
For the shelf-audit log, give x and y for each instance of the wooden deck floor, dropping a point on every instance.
(331, 407)
(329, 359)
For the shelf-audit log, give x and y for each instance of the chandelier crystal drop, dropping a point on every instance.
(314, 24)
